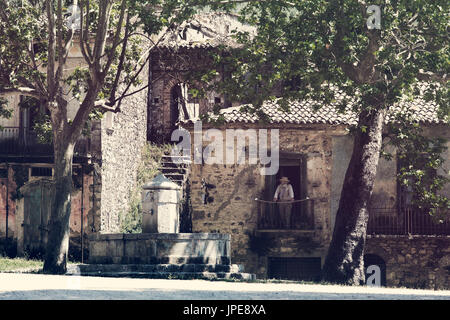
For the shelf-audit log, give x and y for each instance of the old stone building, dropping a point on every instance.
(314, 151)
(230, 198)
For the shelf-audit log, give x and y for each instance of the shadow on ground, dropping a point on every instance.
(159, 294)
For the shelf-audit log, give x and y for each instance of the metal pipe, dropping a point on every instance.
(7, 201)
(93, 201)
(82, 212)
(41, 220)
(150, 101)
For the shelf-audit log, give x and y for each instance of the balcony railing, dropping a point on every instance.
(24, 142)
(407, 221)
(302, 215)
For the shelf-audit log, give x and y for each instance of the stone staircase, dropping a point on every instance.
(162, 271)
(176, 168)
(161, 256)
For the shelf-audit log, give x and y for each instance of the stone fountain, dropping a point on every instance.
(160, 251)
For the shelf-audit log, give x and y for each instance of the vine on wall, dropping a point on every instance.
(131, 221)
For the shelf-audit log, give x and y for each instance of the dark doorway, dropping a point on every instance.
(175, 95)
(297, 269)
(293, 166)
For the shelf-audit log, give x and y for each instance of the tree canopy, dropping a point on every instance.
(308, 49)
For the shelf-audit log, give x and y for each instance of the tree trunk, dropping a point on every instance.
(59, 230)
(344, 263)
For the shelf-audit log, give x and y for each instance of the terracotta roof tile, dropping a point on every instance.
(302, 112)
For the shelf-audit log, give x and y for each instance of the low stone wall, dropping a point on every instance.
(414, 261)
(159, 248)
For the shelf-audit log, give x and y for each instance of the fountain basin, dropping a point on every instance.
(160, 248)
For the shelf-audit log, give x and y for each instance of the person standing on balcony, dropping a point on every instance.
(284, 194)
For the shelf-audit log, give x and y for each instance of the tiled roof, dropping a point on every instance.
(300, 112)
(303, 112)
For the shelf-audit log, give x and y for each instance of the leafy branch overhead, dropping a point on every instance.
(321, 50)
(422, 171)
(114, 38)
(308, 49)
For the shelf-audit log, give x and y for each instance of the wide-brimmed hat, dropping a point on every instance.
(284, 179)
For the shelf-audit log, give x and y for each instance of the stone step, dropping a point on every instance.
(169, 164)
(169, 156)
(146, 268)
(172, 260)
(208, 272)
(176, 159)
(165, 171)
(173, 275)
(174, 176)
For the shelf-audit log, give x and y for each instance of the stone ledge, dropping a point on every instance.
(174, 275)
(101, 271)
(158, 260)
(286, 232)
(159, 236)
(89, 268)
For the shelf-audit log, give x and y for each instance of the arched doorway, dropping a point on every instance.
(175, 99)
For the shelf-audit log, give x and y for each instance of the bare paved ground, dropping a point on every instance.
(14, 286)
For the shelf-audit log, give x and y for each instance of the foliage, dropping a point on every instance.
(43, 128)
(4, 111)
(317, 49)
(420, 161)
(112, 65)
(131, 221)
(320, 50)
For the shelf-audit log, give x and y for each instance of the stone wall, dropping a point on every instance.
(169, 68)
(232, 208)
(123, 135)
(414, 261)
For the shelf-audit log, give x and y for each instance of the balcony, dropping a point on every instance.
(383, 221)
(23, 142)
(302, 216)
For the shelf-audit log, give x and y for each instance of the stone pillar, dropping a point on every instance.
(160, 206)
